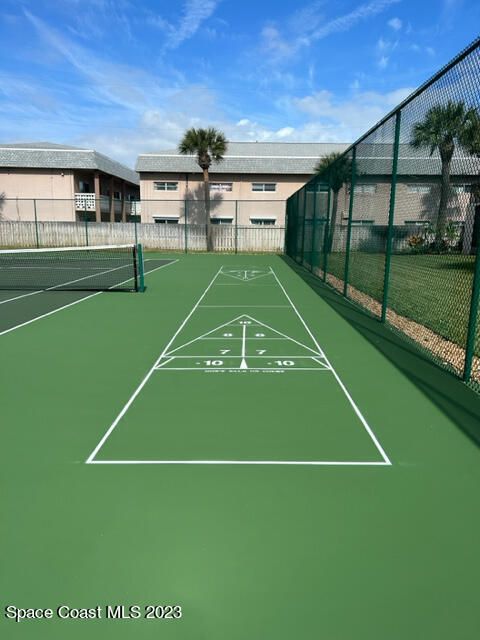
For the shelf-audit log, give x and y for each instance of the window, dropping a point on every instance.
(219, 220)
(417, 223)
(117, 195)
(165, 186)
(83, 187)
(361, 223)
(263, 221)
(264, 186)
(365, 189)
(221, 186)
(462, 188)
(419, 188)
(165, 220)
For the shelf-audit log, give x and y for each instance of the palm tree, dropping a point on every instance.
(337, 169)
(210, 145)
(444, 127)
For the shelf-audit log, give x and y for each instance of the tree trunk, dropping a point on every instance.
(443, 206)
(208, 226)
(333, 221)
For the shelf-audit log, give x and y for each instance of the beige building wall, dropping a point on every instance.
(410, 206)
(53, 190)
(190, 187)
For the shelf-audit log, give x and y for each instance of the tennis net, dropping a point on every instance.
(112, 267)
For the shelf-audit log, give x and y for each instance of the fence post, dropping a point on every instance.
(327, 232)
(473, 317)
(305, 189)
(236, 226)
(391, 217)
(135, 227)
(315, 194)
(86, 224)
(37, 239)
(185, 216)
(349, 230)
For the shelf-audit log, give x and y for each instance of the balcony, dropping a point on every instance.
(85, 202)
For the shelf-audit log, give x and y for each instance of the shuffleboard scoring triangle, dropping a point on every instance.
(246, 274)
(248, 329)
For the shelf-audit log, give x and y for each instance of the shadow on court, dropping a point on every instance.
(449, 393)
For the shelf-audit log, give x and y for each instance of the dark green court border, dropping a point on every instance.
(447, 391)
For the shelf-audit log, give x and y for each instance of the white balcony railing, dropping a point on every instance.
(135, 207)
(85, 201)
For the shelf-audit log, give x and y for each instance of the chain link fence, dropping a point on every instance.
(394, 223)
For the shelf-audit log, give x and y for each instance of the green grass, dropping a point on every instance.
(252, 551)
(433, 290)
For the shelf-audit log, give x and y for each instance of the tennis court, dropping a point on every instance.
(235, 441)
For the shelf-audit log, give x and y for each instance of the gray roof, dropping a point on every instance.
(377, 159)
(246, 157)
(48, 155)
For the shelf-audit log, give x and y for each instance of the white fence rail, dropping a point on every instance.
(226, 238)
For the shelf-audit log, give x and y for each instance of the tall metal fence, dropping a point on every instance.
(394, 222)
(164, 224)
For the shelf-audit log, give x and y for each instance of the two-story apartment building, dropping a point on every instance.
(51, 181)
(249, 186)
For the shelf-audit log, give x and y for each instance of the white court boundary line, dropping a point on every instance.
(64, 284)
(71, 304)
(343, 463)
(337, 377)
(149, 374)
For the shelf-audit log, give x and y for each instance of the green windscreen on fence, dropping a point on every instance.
(394, 222)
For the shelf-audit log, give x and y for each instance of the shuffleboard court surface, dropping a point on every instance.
(144, 442)
(243, 339)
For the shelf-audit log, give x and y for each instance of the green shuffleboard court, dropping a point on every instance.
(234, 453)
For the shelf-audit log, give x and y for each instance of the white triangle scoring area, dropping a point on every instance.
(246, 275)
(243, 343)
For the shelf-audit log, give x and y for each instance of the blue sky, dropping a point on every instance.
(127, 77)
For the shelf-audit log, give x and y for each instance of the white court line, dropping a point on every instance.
(337, 377)
(300, 463)
(203, 370)
(242, 306)
(257, 323)
(149, 374)
(33, 293)
(64, 284)
(44, 315)
(157, 366)
(216, 355)
(23, 295)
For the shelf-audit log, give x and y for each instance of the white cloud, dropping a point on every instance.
(195, 12)
(348, 119)
(395, 23)
(346, 22)
(275, 45)
(383, 62)
(285, 132)
(308, 27)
